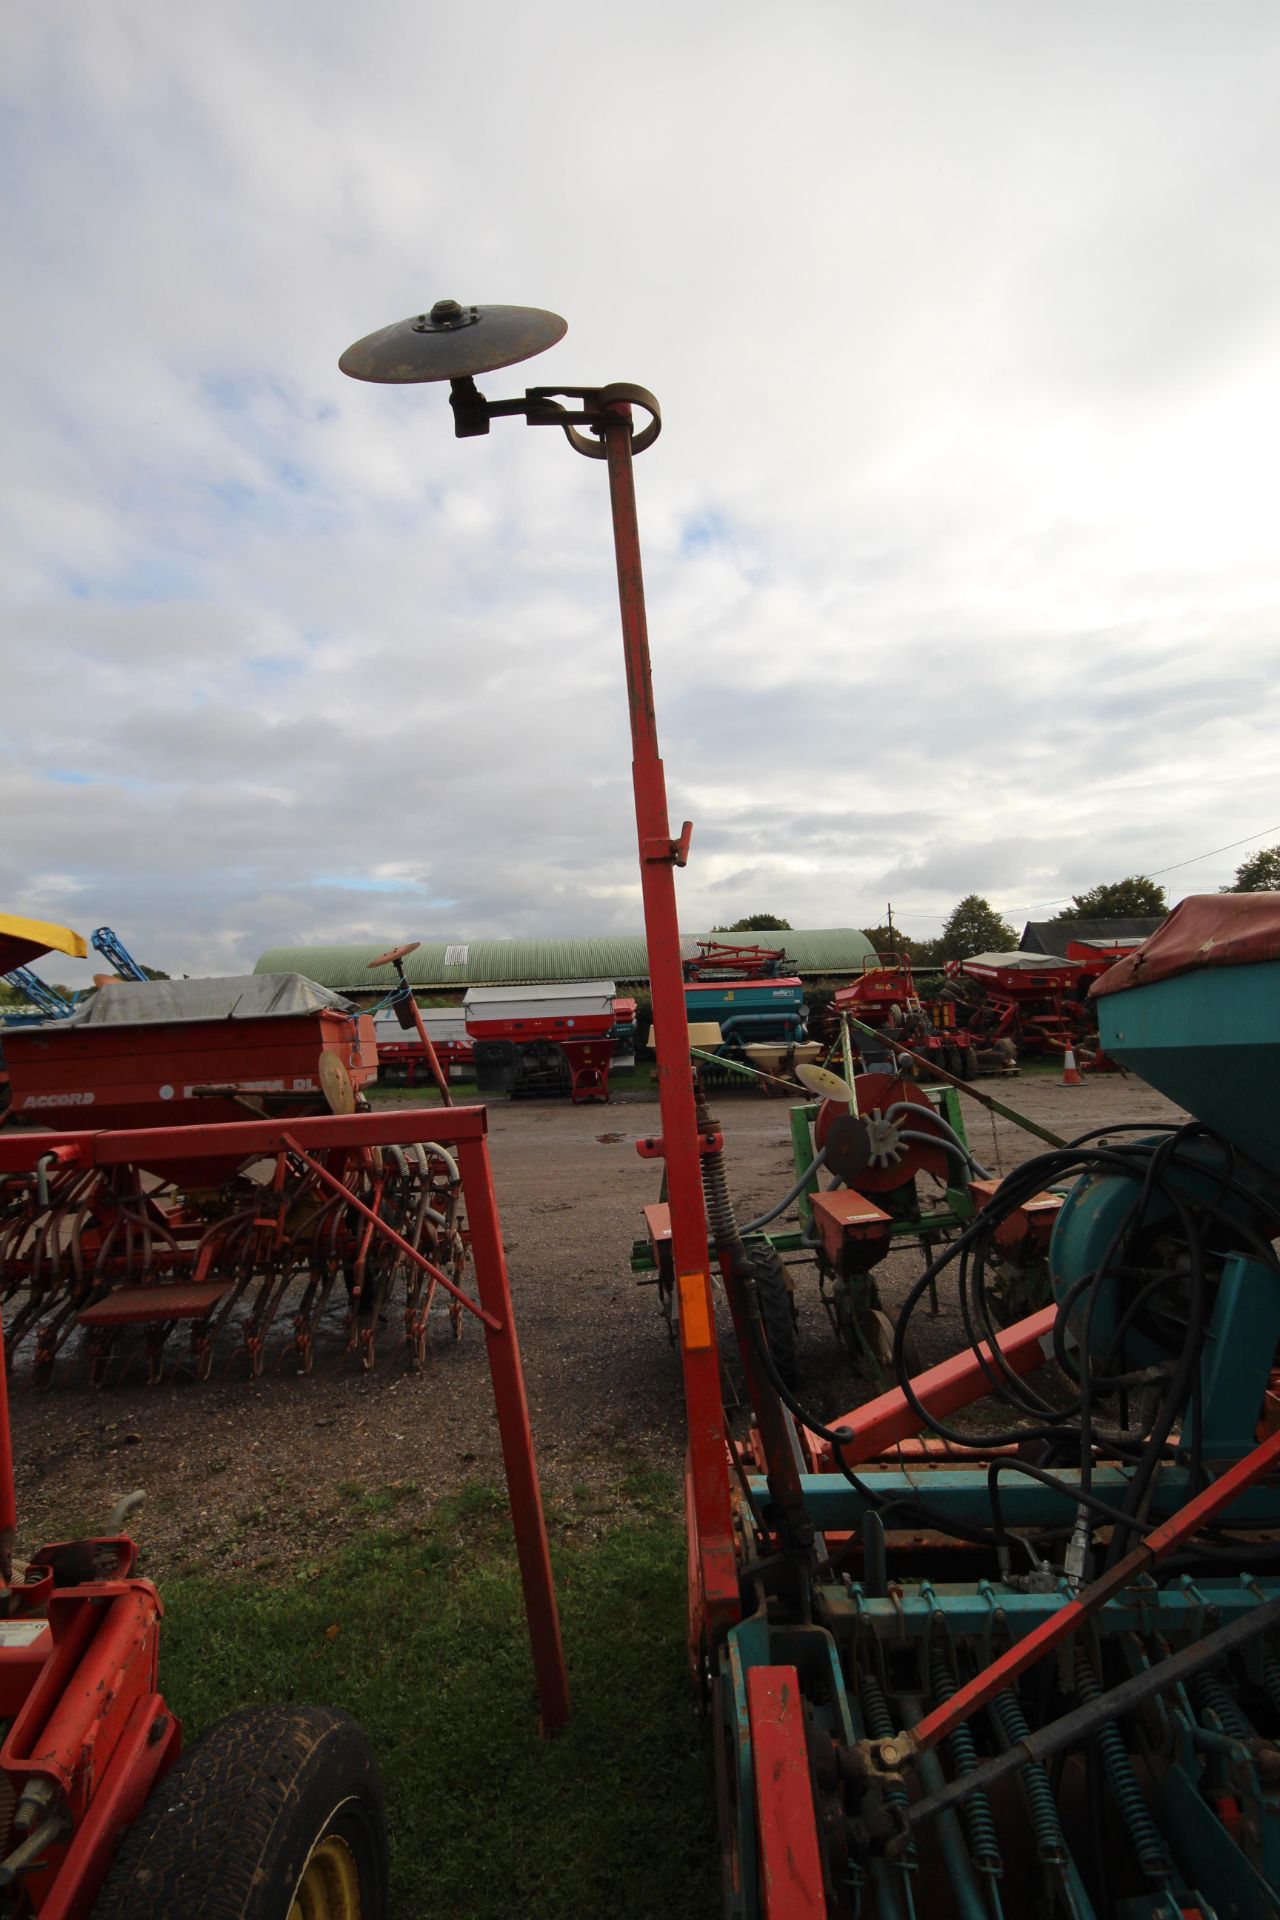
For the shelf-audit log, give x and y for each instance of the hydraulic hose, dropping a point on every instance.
(946, 1134)
(951, 1146)
(792, 1193)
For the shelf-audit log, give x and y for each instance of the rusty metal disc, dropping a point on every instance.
(393, 954)
(848, 1147)
(452, 342)
(892, 1161)
(336, 1084)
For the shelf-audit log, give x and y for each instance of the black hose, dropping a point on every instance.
(837, 1438)
(792, 1193)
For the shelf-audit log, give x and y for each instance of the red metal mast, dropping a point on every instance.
(707, 1487)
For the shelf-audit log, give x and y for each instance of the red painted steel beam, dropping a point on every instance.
(388, 1232)
(710, 1517)
(515, 1434)
(438, 1073)
(8, 1491)
(790, 1862)
(148, 1747)
(19, 1151)
(954, 1383)
(1173, 1532)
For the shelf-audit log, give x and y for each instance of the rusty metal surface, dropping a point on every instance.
(440, 345)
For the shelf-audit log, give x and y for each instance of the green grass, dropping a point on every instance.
(635, 1080)
(614, 1817)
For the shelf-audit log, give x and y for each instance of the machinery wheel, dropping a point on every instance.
(776, 1310)
(878, 1331)
(275, 1814)
(969, 1063)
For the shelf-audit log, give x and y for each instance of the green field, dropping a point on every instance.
(419, 1632)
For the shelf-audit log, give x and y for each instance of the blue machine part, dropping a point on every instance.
(1091, 1230)
(1209, 1039)
(1164, 1269)
(1183, 1803)
(52, 1005)
(770, 1011)
(117, 955)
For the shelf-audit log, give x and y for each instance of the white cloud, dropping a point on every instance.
(958, 536)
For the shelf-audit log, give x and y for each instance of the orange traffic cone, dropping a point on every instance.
(1070, 1073)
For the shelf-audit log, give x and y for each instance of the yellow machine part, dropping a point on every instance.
(22, 940)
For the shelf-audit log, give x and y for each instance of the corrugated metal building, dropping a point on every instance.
(437, 966)
(1054, 936)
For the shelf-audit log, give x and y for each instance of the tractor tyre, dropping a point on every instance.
(969, 1063)
(274, 1811)
(776, 1310)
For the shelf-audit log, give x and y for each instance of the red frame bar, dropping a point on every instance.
(942, 1389)
(790, 1861)
(112, 1147)
(709, 1516)
(438, 1073)
(330, 1180)
(512, 1409)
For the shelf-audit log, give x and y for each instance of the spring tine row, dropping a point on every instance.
(257, 1256)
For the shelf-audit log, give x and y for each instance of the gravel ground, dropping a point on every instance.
(267, 1474)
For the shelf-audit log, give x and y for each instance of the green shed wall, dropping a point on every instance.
(500, 963)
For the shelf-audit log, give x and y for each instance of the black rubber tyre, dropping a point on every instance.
(969, 1067)
(227, 1834)
(776, 1310)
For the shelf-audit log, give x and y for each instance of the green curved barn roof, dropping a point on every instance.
(499, 963)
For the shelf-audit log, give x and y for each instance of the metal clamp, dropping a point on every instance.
(597, 403)
(541, 407)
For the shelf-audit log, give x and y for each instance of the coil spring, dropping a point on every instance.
(1044, 1814)
(1210, 1693)
(721, 1218)
(1143, 1832)
(978, 1821)
(880, 1726)
(1271, 1678)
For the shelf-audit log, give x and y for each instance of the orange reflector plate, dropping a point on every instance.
(695, 1319)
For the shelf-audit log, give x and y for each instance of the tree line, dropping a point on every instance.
(975, 926)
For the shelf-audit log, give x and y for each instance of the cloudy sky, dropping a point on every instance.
(960, 535)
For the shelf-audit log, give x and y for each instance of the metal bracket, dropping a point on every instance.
(653, 1147)
(541, 407)
(665, 852)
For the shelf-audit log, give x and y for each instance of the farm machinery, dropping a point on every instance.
(174, 1219)
(552, 1038)
(514, 1061)
(746, 1009)
(402, 1057)
(884, 997)
(276, 1811)
(1033, 1003)
(880, 1162)
(21, 941)
(1003, 1640)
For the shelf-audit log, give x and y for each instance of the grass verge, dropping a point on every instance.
(421, 1635)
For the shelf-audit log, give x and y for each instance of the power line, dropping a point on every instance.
(1230, 847)
(1173, 868)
